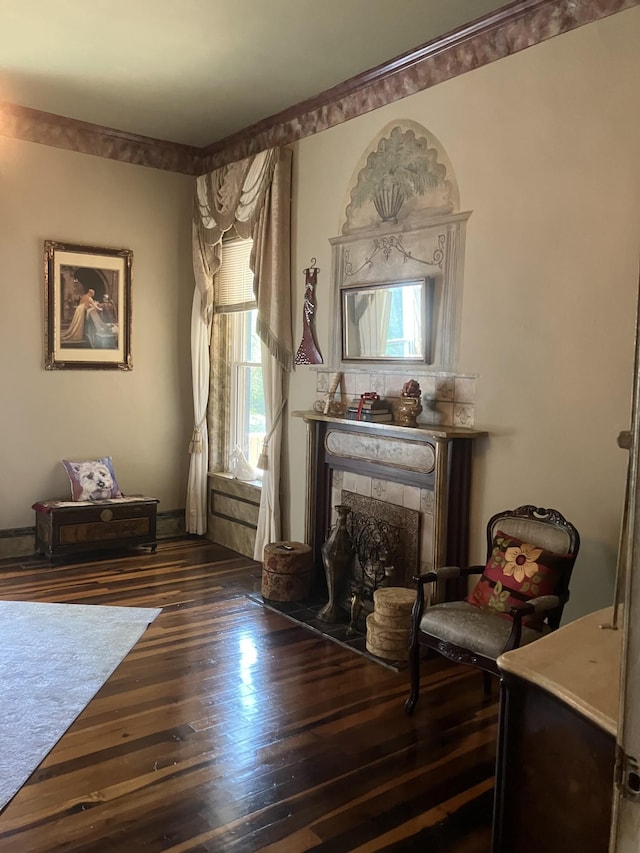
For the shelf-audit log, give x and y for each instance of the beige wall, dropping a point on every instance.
(545, 148)
(140, 418)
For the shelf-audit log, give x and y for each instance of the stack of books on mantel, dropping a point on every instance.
(370, 409)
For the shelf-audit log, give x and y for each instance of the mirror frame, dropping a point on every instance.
(428, 285)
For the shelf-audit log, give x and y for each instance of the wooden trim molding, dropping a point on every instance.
(507, 31)
(73, 135)
(513, 28)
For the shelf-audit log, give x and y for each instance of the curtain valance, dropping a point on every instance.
(250, 196)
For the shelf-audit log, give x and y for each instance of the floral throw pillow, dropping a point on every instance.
(92, 480)
(515, 572)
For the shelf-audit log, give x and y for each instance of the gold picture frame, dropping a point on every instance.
(87, 307)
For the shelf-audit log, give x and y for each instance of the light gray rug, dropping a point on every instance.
(53, 659)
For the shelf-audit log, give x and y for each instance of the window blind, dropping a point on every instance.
(234, 279)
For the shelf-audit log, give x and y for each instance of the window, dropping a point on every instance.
(234, 297)
(247, 409)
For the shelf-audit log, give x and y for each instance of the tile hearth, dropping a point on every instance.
(305, 613)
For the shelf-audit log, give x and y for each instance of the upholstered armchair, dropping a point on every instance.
(519, 598)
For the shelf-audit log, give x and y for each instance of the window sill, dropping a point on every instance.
(252, 486)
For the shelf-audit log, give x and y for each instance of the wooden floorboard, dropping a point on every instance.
(230, 728)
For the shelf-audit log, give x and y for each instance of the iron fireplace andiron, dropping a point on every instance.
(374, 543)
(359, 557)
(308, 352)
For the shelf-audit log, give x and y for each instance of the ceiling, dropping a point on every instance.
(197, 71)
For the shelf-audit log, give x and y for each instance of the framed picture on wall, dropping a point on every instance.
(87, 297)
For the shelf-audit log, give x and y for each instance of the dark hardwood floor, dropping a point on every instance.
(230, 728)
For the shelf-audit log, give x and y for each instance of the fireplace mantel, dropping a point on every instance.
(423, 432)
(435, 459)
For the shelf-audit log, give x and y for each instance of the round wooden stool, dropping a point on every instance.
(286, 571)
(389, 625)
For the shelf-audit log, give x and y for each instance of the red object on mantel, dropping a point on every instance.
(369, 407)
(368, 395)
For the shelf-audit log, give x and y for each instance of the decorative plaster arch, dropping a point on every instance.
(402, 221)
(405, 167)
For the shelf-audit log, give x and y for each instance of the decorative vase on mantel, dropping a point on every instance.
(337, 555)
(408, 410)
(410, 406)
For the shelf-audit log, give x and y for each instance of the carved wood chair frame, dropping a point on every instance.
(548, 606)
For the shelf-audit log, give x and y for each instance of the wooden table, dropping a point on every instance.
(556, 746)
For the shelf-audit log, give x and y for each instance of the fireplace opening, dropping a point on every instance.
(386, 540)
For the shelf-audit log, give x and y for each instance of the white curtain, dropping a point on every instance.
(196, 521)
(204, 267)
(253, 196)
(271, 262)
(269, 520)
(373, 323)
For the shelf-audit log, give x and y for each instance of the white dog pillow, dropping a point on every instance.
(92, 480)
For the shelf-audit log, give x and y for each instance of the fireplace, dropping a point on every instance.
(425, 472)
(385, 538)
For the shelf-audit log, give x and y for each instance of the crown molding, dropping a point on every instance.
(502, 33)
(61, 132)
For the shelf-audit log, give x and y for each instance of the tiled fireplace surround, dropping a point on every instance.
(447, 399)
(440, 495)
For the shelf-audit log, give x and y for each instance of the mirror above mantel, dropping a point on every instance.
(397, 268)
(374, 267)
(388, 321)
